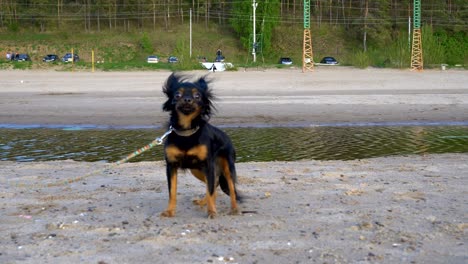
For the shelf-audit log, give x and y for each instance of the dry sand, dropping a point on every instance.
(410, 209)
(328, 95)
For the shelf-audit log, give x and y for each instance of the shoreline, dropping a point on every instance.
(249, 125)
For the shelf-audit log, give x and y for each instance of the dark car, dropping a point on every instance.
(329, 61)
(285, 61)
(21, 57)
(68, 57)
(172, 59)
(50, 58)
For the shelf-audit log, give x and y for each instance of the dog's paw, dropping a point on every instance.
(234, 211)
(212, 214)
(168, 213)
(200, 202)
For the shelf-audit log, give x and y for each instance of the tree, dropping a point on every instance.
(270, 19)
(267, 17)
(373, 23)
(241, 20)
(38, 13)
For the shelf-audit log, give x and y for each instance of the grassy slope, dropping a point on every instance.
(126, 50)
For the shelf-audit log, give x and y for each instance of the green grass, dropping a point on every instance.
(16, 65)
(128, 51)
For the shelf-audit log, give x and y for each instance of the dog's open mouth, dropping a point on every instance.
(186, 108)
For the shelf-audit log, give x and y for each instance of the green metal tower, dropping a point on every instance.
(307, 54)
(306, 14)
(416, 50)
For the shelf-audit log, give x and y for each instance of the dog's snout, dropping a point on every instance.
(188, 99)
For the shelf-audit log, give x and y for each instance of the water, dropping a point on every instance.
(252, 144)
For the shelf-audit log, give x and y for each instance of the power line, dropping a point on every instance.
(351, 18)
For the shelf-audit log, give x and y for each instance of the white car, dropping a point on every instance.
(286, 61)
(152, 59)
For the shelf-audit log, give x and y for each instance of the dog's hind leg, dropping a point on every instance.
(201, 176)
(200, 202)
(229, 177)
(172, 184)
(203, 202)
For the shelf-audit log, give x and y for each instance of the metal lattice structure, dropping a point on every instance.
(307, 54)
(416, 49)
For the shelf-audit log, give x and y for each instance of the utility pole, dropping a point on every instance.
(409, 32)
(254, 43)
(190, 32)
(409, 26)
(364, 40)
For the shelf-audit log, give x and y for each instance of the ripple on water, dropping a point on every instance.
(252, 144)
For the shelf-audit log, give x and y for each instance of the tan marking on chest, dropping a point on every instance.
(174, 154)
(185, 121)
(200, 151)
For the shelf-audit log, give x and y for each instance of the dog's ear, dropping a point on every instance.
(171, 84)
(169, 89)
(203, 84)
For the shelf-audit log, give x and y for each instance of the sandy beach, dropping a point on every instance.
(399, 209)
(327, 95)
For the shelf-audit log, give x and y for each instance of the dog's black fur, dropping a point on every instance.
(196, 145)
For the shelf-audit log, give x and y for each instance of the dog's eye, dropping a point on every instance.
(197, 96)
(177, 96)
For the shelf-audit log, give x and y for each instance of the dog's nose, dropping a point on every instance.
(188, 99)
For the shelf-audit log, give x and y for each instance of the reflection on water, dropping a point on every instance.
(252, 144)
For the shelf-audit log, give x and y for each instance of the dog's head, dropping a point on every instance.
(189, 102)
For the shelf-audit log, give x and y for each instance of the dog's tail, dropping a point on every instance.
(224, 184)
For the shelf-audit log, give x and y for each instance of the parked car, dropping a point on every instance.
(68, 57)
(50, 58)
(152, 59)
(21, 57)
(329, 61)
(172, 59)
(285, 61)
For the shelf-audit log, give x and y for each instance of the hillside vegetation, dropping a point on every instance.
(121, 34)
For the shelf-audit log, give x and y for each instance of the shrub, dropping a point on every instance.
(360, 59)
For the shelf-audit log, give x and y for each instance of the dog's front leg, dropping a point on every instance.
(172, 184)
(211, 193)
(211, 202)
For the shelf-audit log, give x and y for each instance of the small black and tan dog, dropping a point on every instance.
(196, 145)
